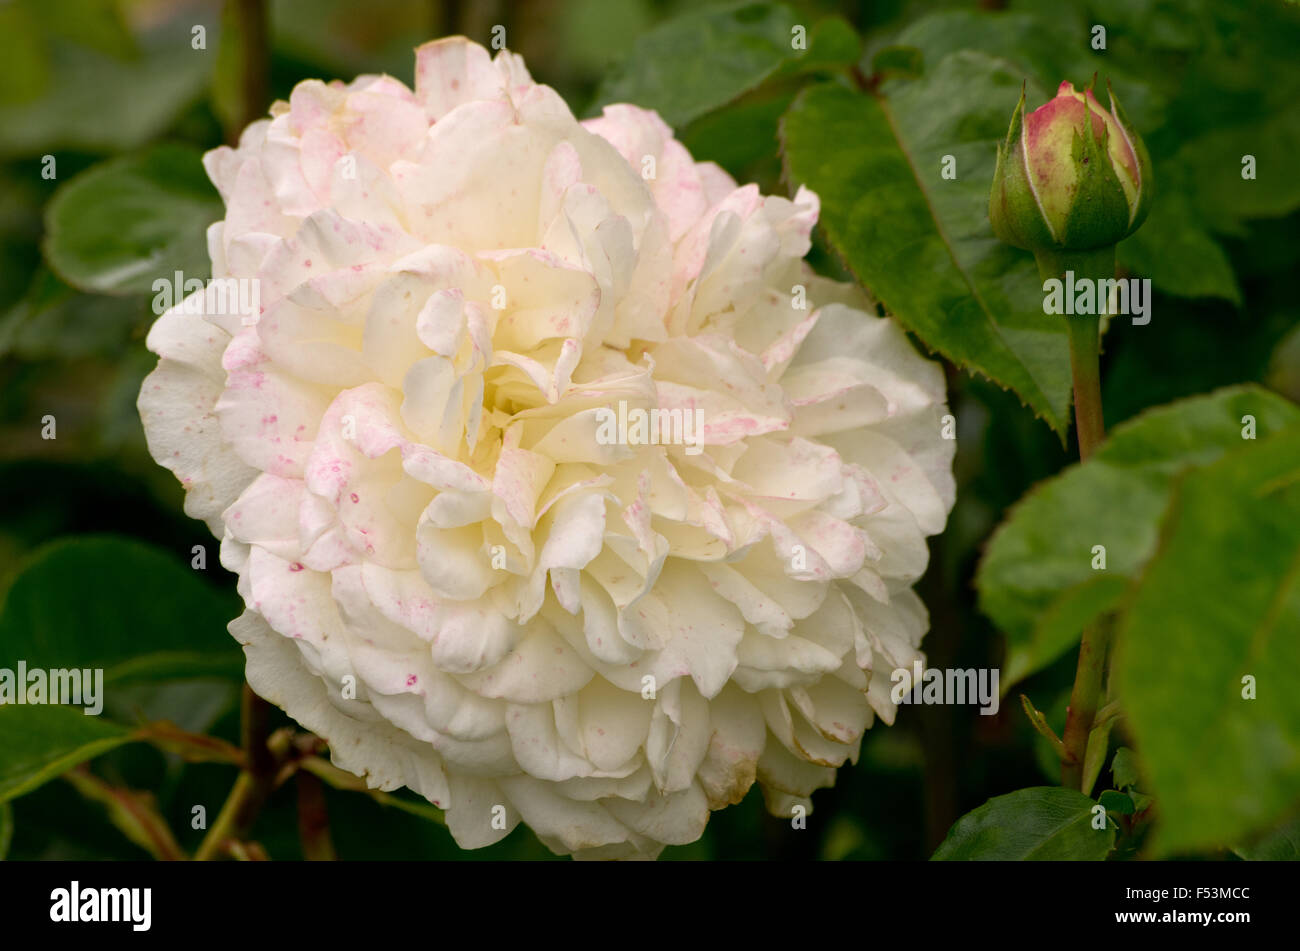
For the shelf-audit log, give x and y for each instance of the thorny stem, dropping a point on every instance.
(1085, 332)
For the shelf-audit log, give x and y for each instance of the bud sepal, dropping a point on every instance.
(1070, 175)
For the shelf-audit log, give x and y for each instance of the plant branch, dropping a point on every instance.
(313, 819)
(251, 17)
(254, 785)
(191, 747)
(1085, 351)
(134, 813)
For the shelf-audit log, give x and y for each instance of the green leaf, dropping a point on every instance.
(595, 34)
(1098, 748)
(1058, 628)
(1045, 49)
(1042, 823)
(1174, 249)
(1114, 801)
(97, 101)
(97, 24)
(139, 613)
(1036, 579)
(92, 602)
(922, 243)
(24, 64)
(1219, 603)
(696, 62)
(742, 138)
(6, 828)
(832, 45)
(40, 743)
(1280, 845)
(894, 61)
(1284, 366)
(118, 226)
(1214, 164)
(1124, 769)
(53, 321)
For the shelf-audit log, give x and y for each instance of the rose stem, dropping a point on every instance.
(255, 782)
(1085, 332)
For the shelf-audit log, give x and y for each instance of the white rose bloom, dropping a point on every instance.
(407, 458)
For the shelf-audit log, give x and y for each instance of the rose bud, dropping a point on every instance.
(1065, 183)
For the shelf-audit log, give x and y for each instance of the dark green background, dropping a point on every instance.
(84, 83)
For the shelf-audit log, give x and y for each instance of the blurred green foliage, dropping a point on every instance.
(122, 101)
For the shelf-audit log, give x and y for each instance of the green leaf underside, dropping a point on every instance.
(876, 161)
(1220, 601)
(1036, 579)
(119, 226)
(1041, 823)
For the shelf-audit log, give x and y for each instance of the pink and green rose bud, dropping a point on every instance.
(1071, 175)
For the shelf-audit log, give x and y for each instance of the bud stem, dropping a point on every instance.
(1085, 331)
(1084, 358)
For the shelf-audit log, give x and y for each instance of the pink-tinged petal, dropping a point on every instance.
(177, 406)
(1047, 141)
(452, 71)
(269, 417)
(387, 757)
(642, 138)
